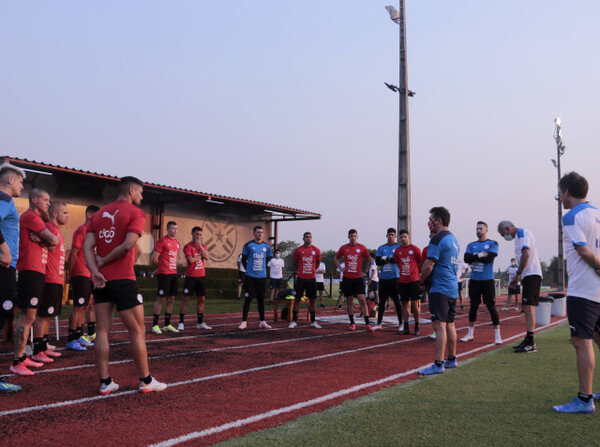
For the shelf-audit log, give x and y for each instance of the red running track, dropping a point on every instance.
(223, 383)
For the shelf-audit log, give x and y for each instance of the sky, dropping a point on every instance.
(285, 102)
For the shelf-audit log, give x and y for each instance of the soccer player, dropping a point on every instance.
(196, 255)
(165, 254)
(81, 285)
(110, 253)
(275, 265)
(34, 241)
(480, 255)
(388, 278)
(512, 290)
(439, 272)
(306, 259)
(409, 259)
(51, 301)
(320, 277)
(352, 285)
(11, 185)
(463, 269)
(582, 249)
(255, 256)
(530, 275)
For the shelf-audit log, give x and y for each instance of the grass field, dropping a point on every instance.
(496, 399)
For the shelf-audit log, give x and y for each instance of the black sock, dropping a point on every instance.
(167, 319)
(529, 337)
(200, 318)
(313, 317)
(351, 319)
(72, 334)
(439, 363)
(37, 345)
(366, 319)
(295, 314)
(146, 380)
(79, 332)
(155, 319)
(416, 326)
(106, 381)
(451, 358)
(181, 318)
(91, 327)
(585, 397)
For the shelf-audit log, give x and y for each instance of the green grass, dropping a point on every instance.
(497, 399)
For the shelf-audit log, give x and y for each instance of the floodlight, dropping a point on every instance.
(393, 12)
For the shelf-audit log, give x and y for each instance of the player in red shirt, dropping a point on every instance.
(307, 258)
(110, 253)
(354, 255)
(51, 301)
(195, 254)
(34, 241)
(409, 260)
(165, 254)
(81, 285)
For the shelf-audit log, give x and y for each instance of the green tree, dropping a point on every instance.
(287, 249)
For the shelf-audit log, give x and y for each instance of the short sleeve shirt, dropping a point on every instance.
(55, 269)
(524, 239)
(320, 276)
(9, 225)
(32, 255)
(354, 255)
(276, 268)
(257, 257)
(80, 267)
(479, 270)
(307, 259)
(444, 250)
(388, 270)
(512, 272)
(409, 260)
(196, 269)
(168, 249)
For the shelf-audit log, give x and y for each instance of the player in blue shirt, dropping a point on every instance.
(388, 277)
(255, 256)
(480, 255)
(439, 274)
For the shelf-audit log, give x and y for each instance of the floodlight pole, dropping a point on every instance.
(560, 150)
(404, 214)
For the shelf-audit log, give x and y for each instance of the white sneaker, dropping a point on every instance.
(498, 340)
(467, 338)
(263, 324)
(203, 326)
(432, 336)
(243, 325)
(154, 385)
(51, 347)
(293, 325)
(315, 325)
(181, 327)
(401, 328)
(376, 327)
(105, 390)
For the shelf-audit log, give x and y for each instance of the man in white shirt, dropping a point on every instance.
(320, 277)
(461, 271)
(275, 265)
(512, 290)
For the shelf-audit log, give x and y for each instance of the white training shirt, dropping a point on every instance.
(582, 227)
(524, 239)
(239, 259)
(512, 272)
(320, 277)
(342, 265)
(276, 268)
(373, 272)
(461, 270)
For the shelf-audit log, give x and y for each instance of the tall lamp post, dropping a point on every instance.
(560, 150)
(404, 215)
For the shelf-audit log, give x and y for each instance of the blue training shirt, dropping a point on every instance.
(388, 271)
(479, 270)
(9, 224)
(258, 256)
(444, 250)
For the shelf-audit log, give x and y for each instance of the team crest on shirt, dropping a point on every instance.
(313, 252)
(264, 248)
(140, 298)
(81, 300)
(358, 250)
(220, 237)
(51, 310)
(34, 301)
(7, 305)
(486, 246)
(410, 252)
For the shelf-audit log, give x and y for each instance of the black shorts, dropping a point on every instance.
(373, 286)
(352, 286)
(82, 290)
(124, 293)
(194, 284)
(460, 286)
(275, 283)
(388, 288)
(241, 276)
(442, 307)
(409, 291)
(320, 286)
(305, 286)
(584, 317)
(51, 302)
(479, 289)
(30, 289)
(8, 290)
(514, 290)
(254, 287)
(167, 285)
(531, 290)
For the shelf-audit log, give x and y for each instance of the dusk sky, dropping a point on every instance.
(285, 102)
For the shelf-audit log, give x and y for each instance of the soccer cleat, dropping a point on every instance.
(91, 337)
(243, 325)
(527, 349)
(401, 327)
(498, 340)
(576, 406)
(322, 306)
(376, 327)
(73, 345)
(263, 324)
(41, 358)
(406, 330)
(52, 347)
(51, 353)
(370, 328)
(416, 331)
(467, 338)
(516, 308)
(505, 308)
(596, 396)
(156, 329)
(6, 387)
(315, 325)
(20, 370)
(292, 325)
(433, 369)
(520, 345)
(432, 336)
(180, 327)
(450, 364)
(203, 326)
(31, 364)
(154, 385)
(352, 327)
(83, 341)
(170, 328)
(105, 390)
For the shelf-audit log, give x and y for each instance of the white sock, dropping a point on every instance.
(497, 332)
(471, 329)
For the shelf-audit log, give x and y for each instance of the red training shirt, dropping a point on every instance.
(307, 259)
(354, 255)
(168, 248)
(55, 269)
(111, 225)
(80, 267)
(32, 255)
(197, 269)
(409, 260)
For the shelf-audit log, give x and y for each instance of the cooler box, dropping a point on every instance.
(543, 311)
(559, 306)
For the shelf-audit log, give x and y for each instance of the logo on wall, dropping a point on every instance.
(219, 234)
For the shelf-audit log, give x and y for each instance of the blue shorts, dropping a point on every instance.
(442, 307)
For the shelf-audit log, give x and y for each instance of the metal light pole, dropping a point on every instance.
(404, 214)
(560, 150)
